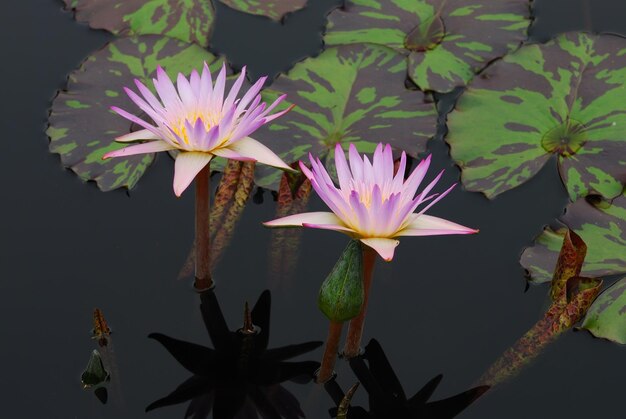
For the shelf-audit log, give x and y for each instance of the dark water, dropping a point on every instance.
(446, 305)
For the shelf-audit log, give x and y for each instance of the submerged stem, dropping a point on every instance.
(327, 368)
(355, 331)
(203, 256)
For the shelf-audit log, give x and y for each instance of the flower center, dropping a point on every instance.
(180, 127)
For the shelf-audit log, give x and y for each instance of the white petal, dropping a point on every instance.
(427, 225)
(227, 153)
(143, 148)
(297, 220)
(384, 247)
(142, 134)
(249, 147)
(187, 166)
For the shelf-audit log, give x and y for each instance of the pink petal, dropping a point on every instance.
(297, 220)
(398, 180)
(356, 164)
(150, 98)
(343, 172)
(167, 92)
(194, 81)
(234, 90)
(142, 134)
(217, 99)
(415, 178)
(187, 166)
(250, 95)
(307, 172)
(206, 87)
(427, 225)
(437, 199)
(277, 114)
(143, 148)
(144, 106)
(249, 147)
(378, 165)
(186, 93)
(384, 247)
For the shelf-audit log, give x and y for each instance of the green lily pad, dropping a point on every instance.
(601, 225)
(446, 42)
(607, 316)
(563, 98)
(352, 93)
(82, 126)
(187, 20)
(274, 9)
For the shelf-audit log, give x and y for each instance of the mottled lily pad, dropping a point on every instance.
(601, 225)
(346, 94)
(82, 126)
(274, 9)
(446, 42)
(564, 98)
(607, 316)
(187, 20)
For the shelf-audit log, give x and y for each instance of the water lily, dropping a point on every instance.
(374, 203)
(197, 120)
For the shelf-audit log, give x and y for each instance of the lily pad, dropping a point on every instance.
(351, 93)
(446, 42)
(82, 126)
(607, 316)
(564, 98)
(602, 225)
(274, 9)
(187, 20)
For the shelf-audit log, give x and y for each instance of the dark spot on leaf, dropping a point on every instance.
(514, 126)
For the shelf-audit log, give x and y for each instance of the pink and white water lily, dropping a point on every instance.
(197, 120)
(374, 203)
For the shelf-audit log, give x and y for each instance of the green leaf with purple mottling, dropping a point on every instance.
(349, 94)
(274, 9)
(82, 126)
(446, 41)
(564, 98)
(601, 225)
(607, 316)
(187, 20)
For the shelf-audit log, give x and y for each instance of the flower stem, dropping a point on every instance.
(327, 368)
(355, 331)
(203, 255)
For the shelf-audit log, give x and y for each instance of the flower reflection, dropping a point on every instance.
(240, 378)
(373, 202)
(387, 398)
(197, 120)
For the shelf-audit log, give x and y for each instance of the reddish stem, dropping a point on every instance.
(327, 368)
(203, 255)
(355, 331)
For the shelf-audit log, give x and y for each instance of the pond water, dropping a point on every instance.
(446, 305)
